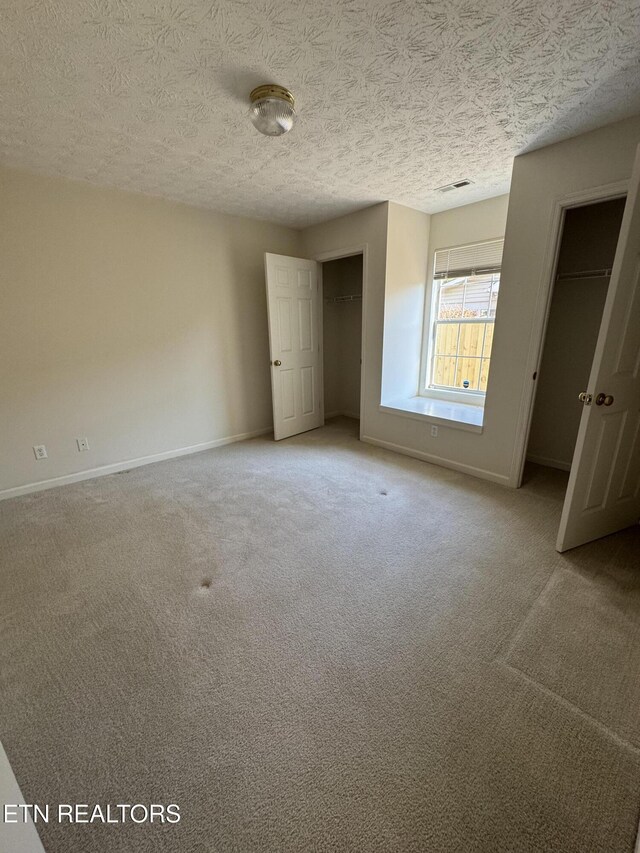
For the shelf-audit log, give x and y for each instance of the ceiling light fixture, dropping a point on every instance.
(272, 111)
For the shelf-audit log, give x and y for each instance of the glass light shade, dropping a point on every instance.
(272, 111)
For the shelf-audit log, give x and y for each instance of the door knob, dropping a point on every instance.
(604, 400)
(585, 398)
(277, 362)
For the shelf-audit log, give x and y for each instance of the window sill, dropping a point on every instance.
(454, 415)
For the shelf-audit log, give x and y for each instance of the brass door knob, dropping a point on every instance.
(277, 362)
(585, 398)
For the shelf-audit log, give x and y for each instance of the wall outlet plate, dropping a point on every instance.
(40, 451)
(83, 444)
(434, 431)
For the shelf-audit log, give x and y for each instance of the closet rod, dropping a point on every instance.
(351, 298)
(603, 273)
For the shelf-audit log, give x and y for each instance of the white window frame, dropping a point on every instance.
(474, 398)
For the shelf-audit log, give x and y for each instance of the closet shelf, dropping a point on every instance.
(565, 276)
(350, 298)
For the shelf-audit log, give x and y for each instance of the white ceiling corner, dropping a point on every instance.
(394, 98)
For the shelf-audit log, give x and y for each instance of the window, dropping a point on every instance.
(459, 332)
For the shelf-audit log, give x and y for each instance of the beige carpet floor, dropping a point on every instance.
(317, 645)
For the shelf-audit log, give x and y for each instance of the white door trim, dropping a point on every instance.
(560, 204)
(335, 255)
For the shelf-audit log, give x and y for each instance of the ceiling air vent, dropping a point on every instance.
(456, 185)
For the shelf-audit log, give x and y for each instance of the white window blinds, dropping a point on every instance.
(463, 261)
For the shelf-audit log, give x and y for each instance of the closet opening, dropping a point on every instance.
(587, 249)
(342, 335)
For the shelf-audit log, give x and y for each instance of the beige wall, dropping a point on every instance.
(471, 223)
(404, 295)
(136, 322)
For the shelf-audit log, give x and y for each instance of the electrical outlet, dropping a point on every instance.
(83, 444)
(40, 451)
(434, 431)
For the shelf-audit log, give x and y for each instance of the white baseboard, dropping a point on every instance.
(550, 463)
(103, 470)
(481, 473)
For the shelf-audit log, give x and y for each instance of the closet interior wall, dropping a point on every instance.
(342, 335)
(587, 250)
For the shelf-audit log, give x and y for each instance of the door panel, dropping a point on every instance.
(308, 396)
(629, 355)
(305, 320)
(600, 477)
(603, 495)
(284, 323)
(294, 341)
(286, 380)
(631, 476)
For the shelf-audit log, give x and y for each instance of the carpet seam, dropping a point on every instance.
(513, 639)
(566, 703)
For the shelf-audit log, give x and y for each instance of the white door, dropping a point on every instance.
(604, 485)
(295, 344)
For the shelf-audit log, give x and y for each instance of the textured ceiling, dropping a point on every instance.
(394, 98)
